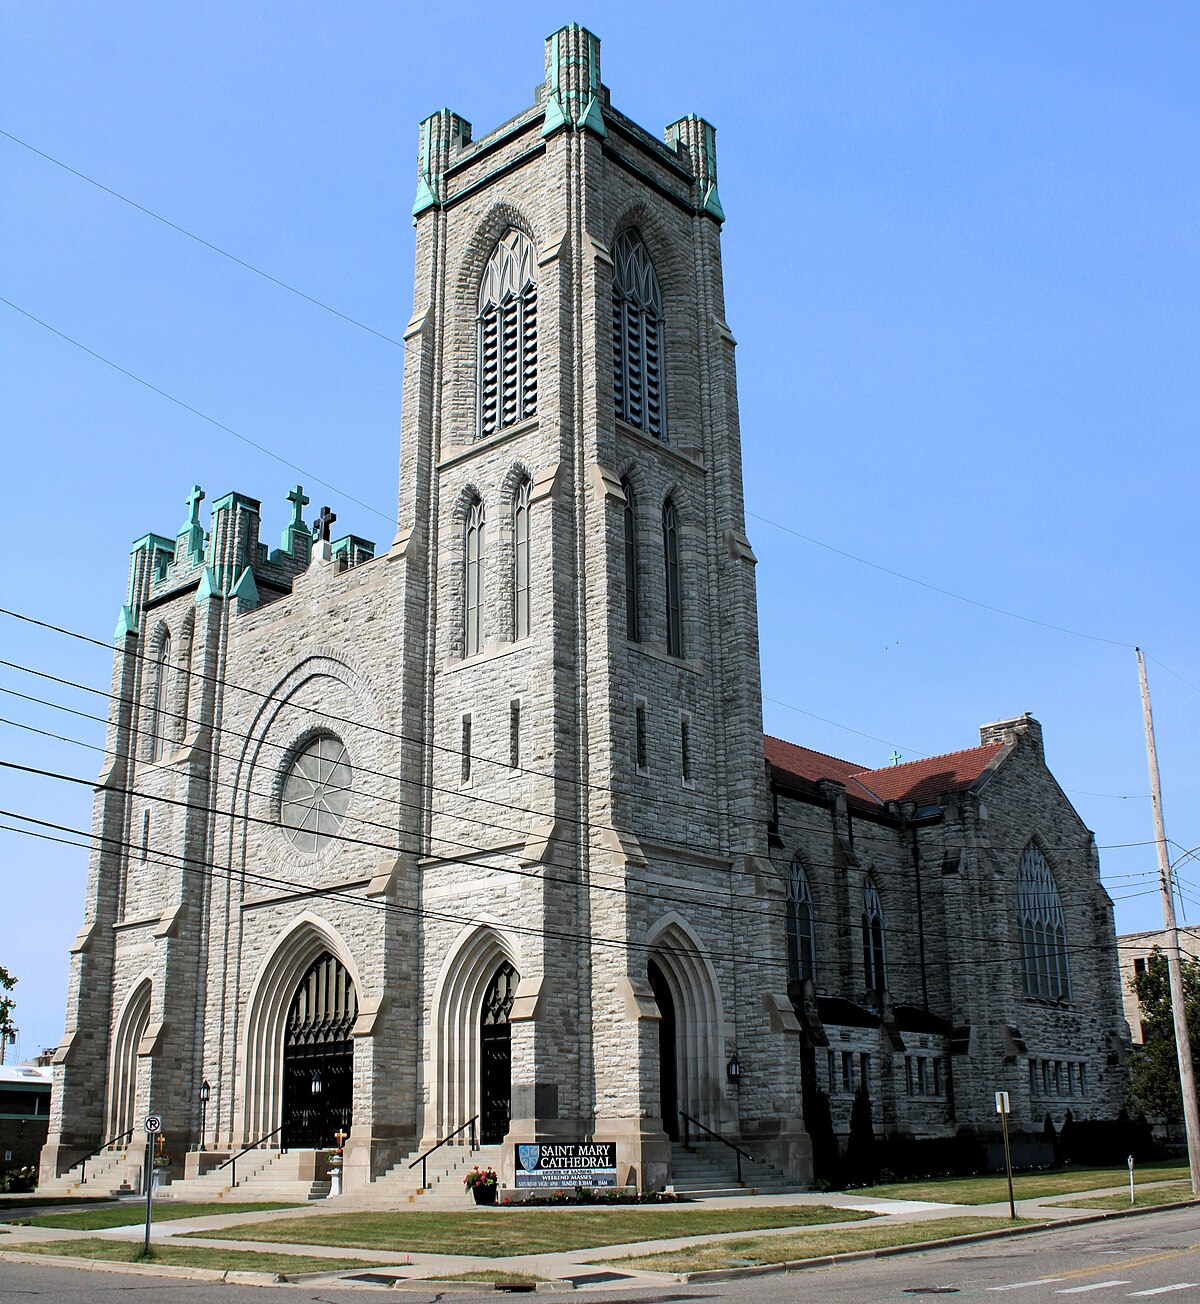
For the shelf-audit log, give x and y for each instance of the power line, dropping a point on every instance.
(200, 240)
(195, 411)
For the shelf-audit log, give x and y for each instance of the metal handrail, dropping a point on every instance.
(420, 1159)
(687, 1118)
(246, 1149)
(112, 1141)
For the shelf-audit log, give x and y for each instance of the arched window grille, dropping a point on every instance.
(674, 612)
(1043, 929)
(637, 336)
(507, 326)
(158, 720)
(632, 626)
(473, 605)
(874, 956)
(800, 941)
(521, 557)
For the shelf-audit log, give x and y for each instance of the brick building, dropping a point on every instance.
(482, 827)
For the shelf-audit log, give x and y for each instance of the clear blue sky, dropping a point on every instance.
(961, 266)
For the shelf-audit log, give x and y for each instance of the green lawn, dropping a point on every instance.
(47, 1202)
(488, 1274)
(134, 1212)
(1144, 1198)
(808, 1245)
(194, 1256)
(993, 1189)
(501, 1232)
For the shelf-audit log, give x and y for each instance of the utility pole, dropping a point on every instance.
(1187, 1080)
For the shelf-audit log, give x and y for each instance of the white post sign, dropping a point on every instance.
(1002, 1103)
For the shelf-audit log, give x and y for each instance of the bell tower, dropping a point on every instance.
(579, 625)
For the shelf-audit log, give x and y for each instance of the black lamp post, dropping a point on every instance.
(205, 1089)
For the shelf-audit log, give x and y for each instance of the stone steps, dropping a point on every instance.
(445, 1170)
(103, 1175)
(710, 1169)
(261, 1175)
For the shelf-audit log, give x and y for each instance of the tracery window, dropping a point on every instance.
(473, 542)
(507, 329)
(874, 956)
(629, 516)
(674, 612)
(800, 940)
(316, 794)
(158, 717)
(521, 557)
(637, 336)
(1043, 929)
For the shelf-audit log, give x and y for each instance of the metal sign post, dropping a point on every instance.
(1003, 1108)
(1130, 1179)
(152, 1126)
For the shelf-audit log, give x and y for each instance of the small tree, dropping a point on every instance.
(862, 1162)
(818, 1122)
(1050, 1137)
(1153, 1088)
(7, 1005)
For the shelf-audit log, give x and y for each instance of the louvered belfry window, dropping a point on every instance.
(637, 336)
(508, 335)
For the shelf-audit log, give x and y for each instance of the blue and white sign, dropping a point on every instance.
(563, 1165)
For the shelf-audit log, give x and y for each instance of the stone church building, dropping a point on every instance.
(483, 825)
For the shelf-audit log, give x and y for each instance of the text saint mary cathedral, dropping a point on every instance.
(482, 828)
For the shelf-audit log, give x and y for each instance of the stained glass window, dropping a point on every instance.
(316, 793)
(1043, 929)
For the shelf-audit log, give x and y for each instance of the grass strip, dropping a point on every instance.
(1144, 1198)
(758, 1250)
(131, 1214)
(194, 1256)
(993, 1189)
(498, 1233)
(48, 1202)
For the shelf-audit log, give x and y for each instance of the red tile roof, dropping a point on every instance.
(918, 781)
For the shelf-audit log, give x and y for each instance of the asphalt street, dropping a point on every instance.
(1156, 1257)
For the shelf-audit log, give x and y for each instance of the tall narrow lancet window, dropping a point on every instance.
(473, 593)
(521, 557)
(874, 956)
(507, 327)
(637, 336)
(674, 611)
(799, 924)
(158, 718)
(1043, 929)
(632, 627)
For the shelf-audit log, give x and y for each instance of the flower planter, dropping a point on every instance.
(484, 1194)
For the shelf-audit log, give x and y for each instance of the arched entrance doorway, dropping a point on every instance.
(495, 1055)
(318, 1056)
(668, 1061)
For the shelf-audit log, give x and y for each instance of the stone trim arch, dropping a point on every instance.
(131, 1026)
(700, 1048)
(266, 1017)
(454, 1085)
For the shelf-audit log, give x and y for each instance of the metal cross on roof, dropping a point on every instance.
(895, 758)
(325, 523)
(193, 500)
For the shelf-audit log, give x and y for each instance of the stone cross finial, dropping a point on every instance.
(299, 502)
(895, 758)
(193, 500)
(325, 524)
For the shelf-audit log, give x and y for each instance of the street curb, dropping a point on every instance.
(231, 1275)
(915, 1247)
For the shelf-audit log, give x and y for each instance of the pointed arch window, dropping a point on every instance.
(874, 954)
(800, 940)
(637, 336)
(521, 560)
(674, 611)
(158, 718)
(1043, 929)
(629, 518)
(507, 329)
(473, 540)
